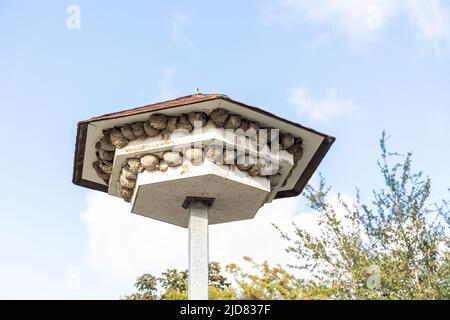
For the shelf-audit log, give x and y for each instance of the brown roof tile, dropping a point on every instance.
(195, 98)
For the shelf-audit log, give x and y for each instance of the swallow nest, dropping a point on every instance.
(160, 124)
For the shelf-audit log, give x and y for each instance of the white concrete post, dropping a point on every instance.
(198, 251)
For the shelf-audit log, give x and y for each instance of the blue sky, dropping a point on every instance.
(348, 68)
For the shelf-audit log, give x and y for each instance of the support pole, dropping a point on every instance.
(198, 250)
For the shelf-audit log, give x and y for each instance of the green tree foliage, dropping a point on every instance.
(172, 285)
(147, 286)
(396, 247)
(267, 283)
(260, 282)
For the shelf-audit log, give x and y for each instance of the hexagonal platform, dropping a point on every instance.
(160, 195)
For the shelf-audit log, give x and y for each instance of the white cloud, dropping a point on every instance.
(257, 238)
(179, 23)
(353, 17)
(321, 110)
(122, 245)
(432, 19)
(359, 19)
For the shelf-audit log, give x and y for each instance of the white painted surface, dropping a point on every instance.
(94, 134)
(198, 251)
(311, 140)
(160, 195)
(208, 135)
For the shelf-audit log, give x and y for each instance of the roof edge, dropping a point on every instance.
(178, 102)
(309, 170)
(82, 129)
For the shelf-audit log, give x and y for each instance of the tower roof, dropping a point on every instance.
(86, 128)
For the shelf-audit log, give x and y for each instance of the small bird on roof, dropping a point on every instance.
(197, 91)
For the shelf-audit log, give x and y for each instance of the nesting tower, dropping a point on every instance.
(197, 160)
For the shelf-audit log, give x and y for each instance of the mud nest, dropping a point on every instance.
(163, 125)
